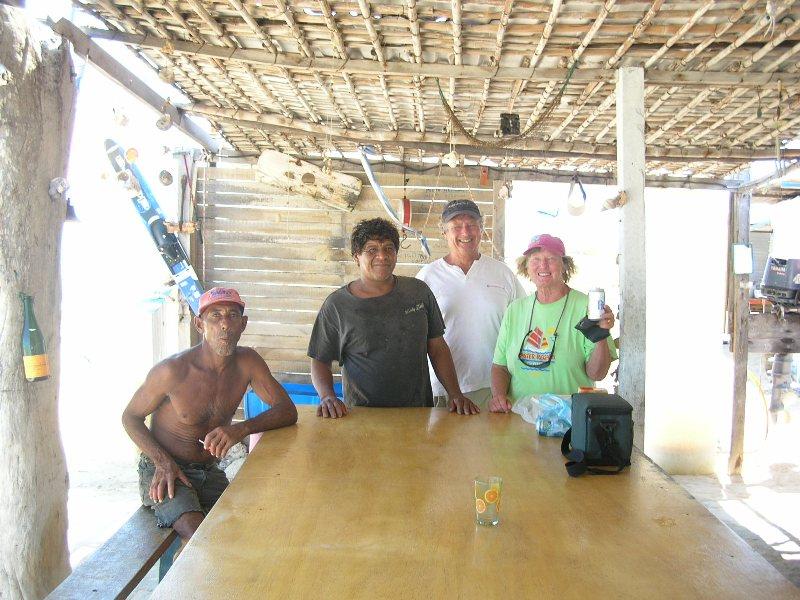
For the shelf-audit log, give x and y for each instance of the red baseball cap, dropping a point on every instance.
(547, 242)
(220, 294)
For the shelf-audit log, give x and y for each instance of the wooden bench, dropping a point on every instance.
(117, 567)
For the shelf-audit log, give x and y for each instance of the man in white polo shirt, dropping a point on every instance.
(473, 291)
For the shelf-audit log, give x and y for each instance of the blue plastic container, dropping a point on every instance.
(300, 393)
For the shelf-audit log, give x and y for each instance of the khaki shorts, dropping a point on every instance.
(480, 397)
(208, 482)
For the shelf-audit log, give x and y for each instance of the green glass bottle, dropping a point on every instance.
(34, 355)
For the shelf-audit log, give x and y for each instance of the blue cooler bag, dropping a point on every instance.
(601, 434)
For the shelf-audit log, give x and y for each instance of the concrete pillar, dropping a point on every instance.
(632, 281)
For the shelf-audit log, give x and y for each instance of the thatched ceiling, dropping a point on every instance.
(306, 76)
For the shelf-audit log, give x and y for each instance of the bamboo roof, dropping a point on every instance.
(309, 76)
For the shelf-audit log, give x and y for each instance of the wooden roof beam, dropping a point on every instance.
(591, 89)
(416, 46)
(266, 40)
(366, 14)
(341, 50)
(91, 52)
(297, 33)
(718, 57)
(519, 85)
(754, 58)
(576, 55)
(696, 16)
(455, 14)
(494, 61)
(442, 142)
(719, 32)
(356, 66)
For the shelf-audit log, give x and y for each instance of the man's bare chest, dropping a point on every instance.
(206, 400)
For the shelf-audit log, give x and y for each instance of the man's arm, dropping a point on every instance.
(282, 410)
(442, 362)
(144, 402)
(322, 378)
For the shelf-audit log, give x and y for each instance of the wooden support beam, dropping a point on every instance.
(391, 67)
(441, 142)
(632, 263)
(739, 287)
(89, 50)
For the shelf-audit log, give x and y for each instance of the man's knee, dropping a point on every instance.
(187, 524)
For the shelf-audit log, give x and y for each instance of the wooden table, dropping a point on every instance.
(380, 505)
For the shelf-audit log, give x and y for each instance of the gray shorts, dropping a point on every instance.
(208, 482)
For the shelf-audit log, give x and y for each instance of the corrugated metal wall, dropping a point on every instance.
(285, 254)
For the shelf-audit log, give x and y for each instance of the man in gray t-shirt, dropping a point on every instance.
(381, 328)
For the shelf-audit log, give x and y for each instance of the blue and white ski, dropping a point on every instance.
(149, 210)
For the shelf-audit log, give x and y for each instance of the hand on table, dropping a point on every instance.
(163, 484)
(331, 407)
(221, 439)
(463, 406)
(499, 404)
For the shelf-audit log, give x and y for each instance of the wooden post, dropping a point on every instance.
(632, 280)
(37, 97)
(740, 311)
(501, 189)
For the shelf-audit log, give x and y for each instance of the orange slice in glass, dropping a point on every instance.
(480, 505)
(491, 495)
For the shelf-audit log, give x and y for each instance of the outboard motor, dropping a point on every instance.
(781, 282)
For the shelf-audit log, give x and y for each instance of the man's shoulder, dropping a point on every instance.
(412, 285)
(336, 297)
(176, 367)
(493, 265)
(430, 268)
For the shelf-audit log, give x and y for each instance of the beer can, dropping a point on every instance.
(597, 304)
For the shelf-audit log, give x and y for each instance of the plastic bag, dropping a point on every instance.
(527, 408)
(554, 416)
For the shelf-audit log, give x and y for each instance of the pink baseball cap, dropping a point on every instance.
(547, 242)
(220, 294)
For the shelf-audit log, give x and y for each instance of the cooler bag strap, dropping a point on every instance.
(576, 459)
(604, 432)
(576, 462)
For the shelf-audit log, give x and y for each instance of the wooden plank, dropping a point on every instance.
(331, 281)
(256, 240)
(279, 506)
(272, 354)
(219, 244)
(499, 221)
(345, 268)
(286, 304)
(215, 191)
(274, 341)
(115, 568)
(288, 317)
(444, 178)
(767, 333)
(419, 218)
(262, 328)
(294, 279)
(275, 291)
(740, 216)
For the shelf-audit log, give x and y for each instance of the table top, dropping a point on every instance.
(380, 504)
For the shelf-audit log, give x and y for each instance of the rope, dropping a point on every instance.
(508, 142)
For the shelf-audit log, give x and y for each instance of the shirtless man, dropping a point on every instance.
(192, 397)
